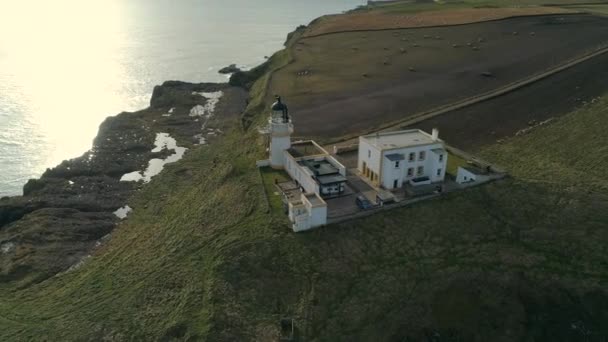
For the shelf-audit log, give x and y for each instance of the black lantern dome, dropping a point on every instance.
(279, 106)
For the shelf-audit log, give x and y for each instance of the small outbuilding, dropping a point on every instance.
(384, 197)
(470, 174)
(314, 169)
(308, 212)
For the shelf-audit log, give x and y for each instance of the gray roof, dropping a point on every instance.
(475, 170)
(315, 200)
(331, 179)
(320, 168)
(395, 156)
(399, 139)
(384, 195)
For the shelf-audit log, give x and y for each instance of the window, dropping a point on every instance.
(410, 172)
(440, 158)
(397, 164)
(421, 155)
(369, 153)
(438, 172)
(420, 170)
(412, 156)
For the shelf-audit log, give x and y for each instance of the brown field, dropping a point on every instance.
(378, 20)
(487, 122)
(350, 83)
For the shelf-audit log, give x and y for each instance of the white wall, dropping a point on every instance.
(430, 164)
(300, 174)
(278, 145)
(465, 176)
(301, 216)
(435, 164)
(341, 168)
(296, 209)
(305, 217)
(318, 216)
(373, 161)
(390, 173)
(280, 141)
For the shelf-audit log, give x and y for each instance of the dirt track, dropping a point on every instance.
(335, 100)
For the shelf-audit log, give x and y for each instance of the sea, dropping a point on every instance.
(66, 65)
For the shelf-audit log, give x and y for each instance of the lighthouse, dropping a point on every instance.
(280, 133)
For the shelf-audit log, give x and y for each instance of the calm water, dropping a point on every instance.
(65, 65)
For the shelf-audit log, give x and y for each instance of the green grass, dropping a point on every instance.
(270, 178)
(157, 276)
(569, 153)
(454, 162)
(200, 258)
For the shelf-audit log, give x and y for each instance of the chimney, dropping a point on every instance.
(435, 134)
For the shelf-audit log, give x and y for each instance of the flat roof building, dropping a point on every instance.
(312, 168)
(398, 139)
(392, 159)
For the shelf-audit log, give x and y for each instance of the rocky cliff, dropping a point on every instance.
(65, 213)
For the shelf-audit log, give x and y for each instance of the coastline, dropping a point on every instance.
(73, 207)
(63, 214)
(207, 253)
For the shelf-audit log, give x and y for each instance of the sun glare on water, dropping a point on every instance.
(64, 46)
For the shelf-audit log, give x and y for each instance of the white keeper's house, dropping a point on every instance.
(394, 159)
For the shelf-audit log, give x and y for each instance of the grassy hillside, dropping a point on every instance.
(156, 276)
(378, 78)
(200, 258)
(415, 6)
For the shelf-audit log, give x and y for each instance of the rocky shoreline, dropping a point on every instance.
(63, 214)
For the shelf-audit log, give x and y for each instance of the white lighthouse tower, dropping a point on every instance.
(280, 133)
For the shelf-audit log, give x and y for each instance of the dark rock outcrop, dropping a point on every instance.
(178, 93)
(62, 215)
(231, 69)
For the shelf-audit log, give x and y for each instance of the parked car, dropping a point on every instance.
(363, 203)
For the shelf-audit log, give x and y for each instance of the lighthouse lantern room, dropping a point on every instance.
(281, 129)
